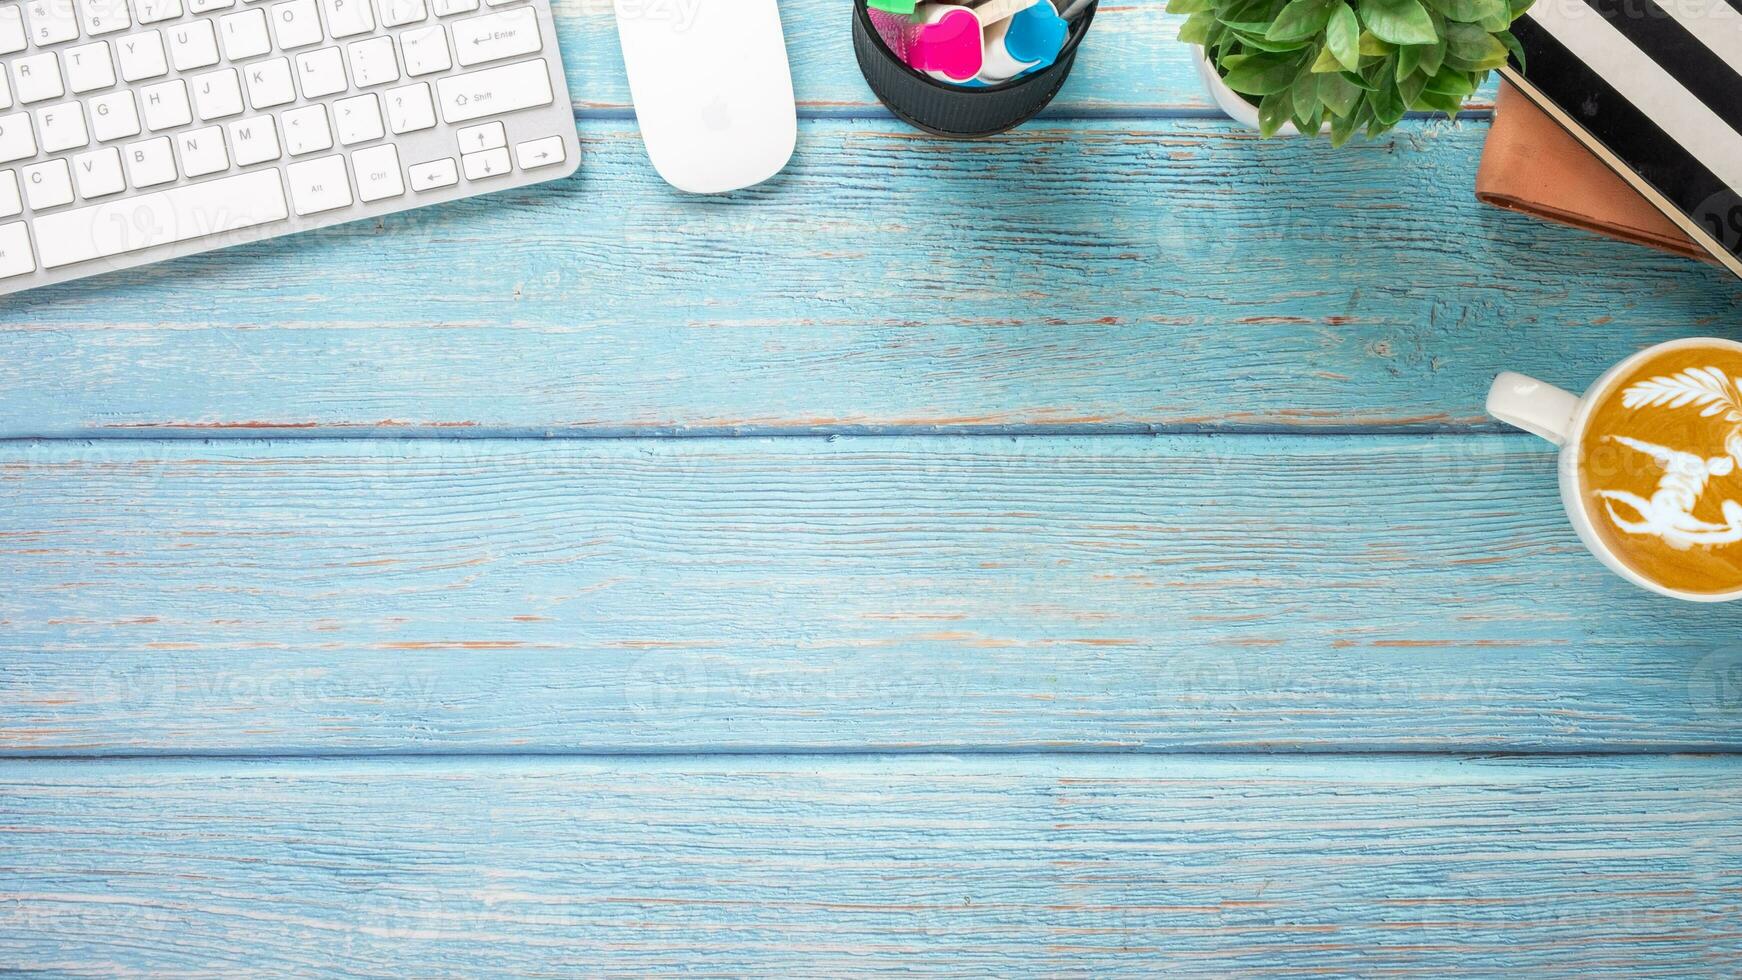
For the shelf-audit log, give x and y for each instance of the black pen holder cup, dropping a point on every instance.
(952, 110)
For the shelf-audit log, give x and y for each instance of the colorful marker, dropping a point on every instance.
(950, 46)
(1027, 41)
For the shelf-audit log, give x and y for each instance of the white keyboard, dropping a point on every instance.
(133, 131)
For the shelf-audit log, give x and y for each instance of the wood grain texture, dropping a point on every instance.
(1155, 593)
(1131, 64)
(1209, 282)
(1017, 866)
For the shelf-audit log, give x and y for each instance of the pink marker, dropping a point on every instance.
(950, 46)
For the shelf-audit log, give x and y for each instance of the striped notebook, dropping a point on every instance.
(1652, 87)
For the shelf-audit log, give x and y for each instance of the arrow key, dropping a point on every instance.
(546, 152)
(489, 163)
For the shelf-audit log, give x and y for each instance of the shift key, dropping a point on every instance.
(494, 91)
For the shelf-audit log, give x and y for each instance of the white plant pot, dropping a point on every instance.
(1230, 101)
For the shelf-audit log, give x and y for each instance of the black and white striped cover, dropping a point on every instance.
(1653, 87)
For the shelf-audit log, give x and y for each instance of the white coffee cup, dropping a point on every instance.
(1561, 417)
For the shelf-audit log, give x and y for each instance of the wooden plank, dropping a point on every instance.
(885, 284)
(1156, 593)
(1132, 62)
(778, 866)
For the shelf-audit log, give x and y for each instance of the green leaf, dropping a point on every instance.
(1452, 84)
(1262, 74)
(1512, 46)
(1302, 20)
(1408, 57)
(1386, 100)
(1196, 29)
(1343, 37)
(1338, 94)
(1344, 126)
(1519, 7)
(1190, 6)
(1450, 105)
(1471, 48)
(1326, 62)
(1470, 10)
(1356, 80)
(1273, 112)
(1372, 47)
(1276, 47)
(1409, 89)
(1398, 21)
(1432, 57)
(1305, 95)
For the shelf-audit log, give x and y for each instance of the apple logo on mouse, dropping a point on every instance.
(717, 114)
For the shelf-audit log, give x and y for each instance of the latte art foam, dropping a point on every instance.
(1660, 469)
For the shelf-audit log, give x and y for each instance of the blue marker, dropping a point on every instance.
(1029, 40)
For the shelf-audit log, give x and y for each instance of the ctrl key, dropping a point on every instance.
(16, 258)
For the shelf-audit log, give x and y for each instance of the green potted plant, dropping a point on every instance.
(1345, 66)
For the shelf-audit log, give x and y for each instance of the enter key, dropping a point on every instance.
(493, 36)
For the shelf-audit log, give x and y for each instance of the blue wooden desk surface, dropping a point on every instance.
(1074, 553)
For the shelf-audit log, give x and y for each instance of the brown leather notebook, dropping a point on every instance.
(1531, 165)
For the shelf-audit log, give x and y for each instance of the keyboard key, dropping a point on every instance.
(150, 162)
(193, 45)
(319, 185)
(166, 105)
(398, 13)
(545, 152)
(47, 185)
(444, 8)
(306, 130)
(5, 92)
(11, 28)
(51, 21)
(174, 215)
(17, 140)
(89, 67)
(494, 91)
(141, 56)
(98, 173)
(269, 83)
(295, 24)
(202, 151)
(217, 94)
(10, 203)
(15, 257)
(36, 78)
(347, 18)
(254, 140)
(322, 72)
(114, 115)
(206, 6)
(409, 108)
(495, 36)
(244, 34)
(154, 11)
(62, 127)
(433, 174)
(489, 136)
(372, 62)
(378, 175)
(357, 119)
(487, 163)
(104, 16)
(425, 50)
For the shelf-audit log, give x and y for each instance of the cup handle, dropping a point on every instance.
(1534, 406)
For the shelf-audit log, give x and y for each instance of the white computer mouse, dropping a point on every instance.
(712, 89)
